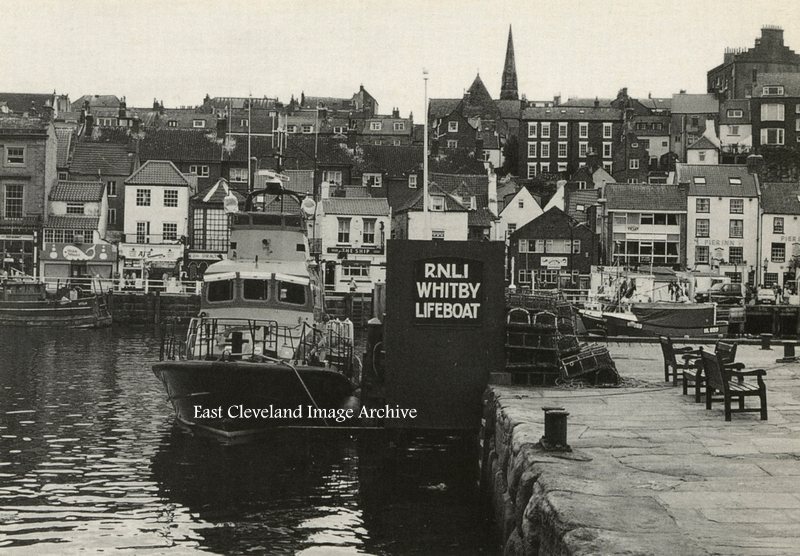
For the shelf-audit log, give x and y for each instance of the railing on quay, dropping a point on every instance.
(120, 285)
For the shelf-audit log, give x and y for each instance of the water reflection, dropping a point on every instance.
(90, 459)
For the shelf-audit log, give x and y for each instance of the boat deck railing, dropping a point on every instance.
(232, 339)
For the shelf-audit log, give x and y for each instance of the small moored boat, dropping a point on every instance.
(25, 302)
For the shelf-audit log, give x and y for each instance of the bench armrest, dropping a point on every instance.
(754, 372)
(687, 349)
(735, 366)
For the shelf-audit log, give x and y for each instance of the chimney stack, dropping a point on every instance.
(222, 127)
(771, 37)
(395, 112)
(89, 125)
(755, 164)
(596, 102)
(122, 109)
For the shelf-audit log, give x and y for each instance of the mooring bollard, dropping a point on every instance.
(555, 430)
(788, 352)
(765, 341)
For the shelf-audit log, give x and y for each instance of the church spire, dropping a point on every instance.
(508, 88)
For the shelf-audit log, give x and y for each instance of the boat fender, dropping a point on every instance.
(226, 355)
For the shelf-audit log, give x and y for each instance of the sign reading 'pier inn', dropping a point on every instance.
(447, 291)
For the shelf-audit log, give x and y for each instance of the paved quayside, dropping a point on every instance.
(652, 472)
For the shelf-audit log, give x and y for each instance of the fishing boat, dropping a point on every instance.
(261, 354)
(25, 301)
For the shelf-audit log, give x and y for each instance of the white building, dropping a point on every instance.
(156, 214)
(722, 218)
(74, 233)
(353, 234)
(780, 234)
(447, 217)
(521, 209)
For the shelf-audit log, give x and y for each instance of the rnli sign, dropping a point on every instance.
(447, 291)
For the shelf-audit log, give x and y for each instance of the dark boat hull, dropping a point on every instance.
(617, 326)
(214, 395)
(79, 313)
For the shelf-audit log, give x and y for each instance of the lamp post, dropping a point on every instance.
(425, 162)
(764, 276)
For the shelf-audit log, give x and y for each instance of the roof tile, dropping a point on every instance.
(87, 191)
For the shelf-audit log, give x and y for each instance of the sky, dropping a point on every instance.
(177, 50)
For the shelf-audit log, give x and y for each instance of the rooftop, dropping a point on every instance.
(704, 103)
(359, 206)
(157, 172)
(780, 198)
(723, 180)
(580, 113)
(72, 222)
(86, 191)
(646, 197)
(108, 159)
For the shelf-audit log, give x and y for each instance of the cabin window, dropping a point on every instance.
(291, 293)
(256, 289)
(221, 290)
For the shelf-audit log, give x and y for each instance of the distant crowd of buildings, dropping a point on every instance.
(707, 182)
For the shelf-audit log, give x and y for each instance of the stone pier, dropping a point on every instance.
(651, 472)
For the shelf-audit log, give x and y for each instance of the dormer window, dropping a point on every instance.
(172, 123)
(699, 180)
(412, 181)
(375, 126)
(735, 181)
(735, 113)
(437, 203)
(198, 123)
(452, 127)
(399, 126)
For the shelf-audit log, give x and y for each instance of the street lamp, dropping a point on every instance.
(425, 160)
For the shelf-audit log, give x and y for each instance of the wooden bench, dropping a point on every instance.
(730, 384)
(672, 368)
(693, 376)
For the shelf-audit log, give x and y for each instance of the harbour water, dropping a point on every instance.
(91, 460)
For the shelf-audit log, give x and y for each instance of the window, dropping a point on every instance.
(544, 150)
(220, 290)
(111, 188)
(486, 155)
(562, 166)
(576, 246)
(412, 181)
(12, 207)
(255, 289)
(647, 219)
(452, 143)
(63, 176)
(583, 148)
(545, 130)
(142, 197)
(797, 108)
(291, 128)
(703, 205)
(169, 231)
(372, 180)
(243, 123)
(355, 269)
(106, 122)
(701, 227)
(531, 170)
(307, 128)
(774, 90)
(583, 130)
(772, 136)
(368, 236)
(510, 229)
(437, 203)
(338, 130)
(112, 216)
(332, 176)
(75, 208)
(607, 150)
(198, 123)
(736, 228)
(736, 255)
(400, 126)
(200, 170)
(734, 113)
(701, 155)
(701, 254)
(344, 231)
(733, 130)
(581, 185)
(143, 232)
(15, 156)
(699, 180)
(562, 149)
(777, 225)
(633, 164)
(521, 203)
(737, 206)
(532, 129)
(238, 175)
(562, 130)
(545, 167)
(607, 130)
(580, 208)
(778, 253)
(772, 112)
(524, 276)
(452, 127)
(608, 167)
(170, 197)
(770, 279)
(437, 234)
(531, 149)
(172, 123)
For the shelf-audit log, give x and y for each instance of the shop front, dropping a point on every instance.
(150, 262)
(198, 261)
(18, 251)
(78, 260)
